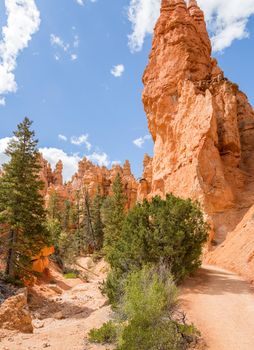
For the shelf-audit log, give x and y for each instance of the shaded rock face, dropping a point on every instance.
(14, 313)
(237, 252)
(203, 129)
(201, 124)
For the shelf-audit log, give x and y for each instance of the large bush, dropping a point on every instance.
(170, 231)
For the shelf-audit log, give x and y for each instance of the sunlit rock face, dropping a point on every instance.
(201, 124)
(203, 131)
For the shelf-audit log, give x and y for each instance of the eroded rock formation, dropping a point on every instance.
(41, 261)
(144, 187)
(50, 177)
(14, 313)
(201, 123)
(90, 177)
(94, 178)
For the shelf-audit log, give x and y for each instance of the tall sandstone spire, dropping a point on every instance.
(201, 123)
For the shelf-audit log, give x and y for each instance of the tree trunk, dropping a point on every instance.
(9, 271)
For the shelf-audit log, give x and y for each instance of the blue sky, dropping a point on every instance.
(66, 85)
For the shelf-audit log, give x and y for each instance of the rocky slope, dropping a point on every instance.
(202, 126)
(61, 312)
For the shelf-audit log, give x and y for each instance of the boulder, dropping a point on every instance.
(14, 313)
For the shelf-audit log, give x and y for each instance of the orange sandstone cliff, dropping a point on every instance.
(203, 131)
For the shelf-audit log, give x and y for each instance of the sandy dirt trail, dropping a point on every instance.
(218, 302)
(221, 305)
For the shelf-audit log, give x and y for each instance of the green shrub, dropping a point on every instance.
(149, 304)
(147, 315)
(149, 293)
(150, 336)
(113, 287)
(107, 334)
(70, 275)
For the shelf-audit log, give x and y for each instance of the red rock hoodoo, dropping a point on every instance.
(201, 123)
(90, 177)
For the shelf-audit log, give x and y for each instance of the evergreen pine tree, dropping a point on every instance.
(22, 214)
(66, 215)
(88, 232)
(114, 215)
(54, 206)
(98, 226)
(75, 220)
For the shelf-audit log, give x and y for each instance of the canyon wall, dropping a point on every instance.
(202, 125)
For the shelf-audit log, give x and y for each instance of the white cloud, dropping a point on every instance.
(141, 140)
(101, 159)
(227, 20)
(2, 101)
(57, 41)
(53, 155)
(81, 140)
(142, 14)
(57, 57)
(23, 20)
(74, 57)
(82, 2)
(116, 162)
(70, 162)
(76, 41)
(118, 70)
(3, 145)
(68, 49)
(62, 137)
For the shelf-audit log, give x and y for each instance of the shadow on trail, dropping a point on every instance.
(215, 282)
(44, 308)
